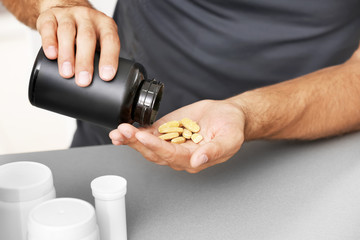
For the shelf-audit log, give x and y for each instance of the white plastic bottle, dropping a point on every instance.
(63, 219)
(109, 193)
(23, 185)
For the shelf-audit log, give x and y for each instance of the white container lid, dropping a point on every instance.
(62, 219)
(24, 181)
(109, 187)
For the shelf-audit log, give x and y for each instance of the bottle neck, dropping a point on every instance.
(147, 102)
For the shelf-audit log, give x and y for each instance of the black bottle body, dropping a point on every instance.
(108, 104)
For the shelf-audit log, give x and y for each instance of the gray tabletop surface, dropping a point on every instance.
(268, 190)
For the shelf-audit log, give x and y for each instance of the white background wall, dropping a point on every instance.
(23, 127)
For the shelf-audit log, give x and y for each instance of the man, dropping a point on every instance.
(273, 69)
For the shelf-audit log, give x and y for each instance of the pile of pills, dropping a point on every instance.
(180, 131)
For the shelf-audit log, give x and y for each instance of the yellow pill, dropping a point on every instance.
(169, 136)
(187, 133)
(171, 129)
(196, 138)
(190, 125)
(168, 124)
(178, 140)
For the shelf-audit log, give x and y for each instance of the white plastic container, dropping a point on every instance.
(63, 219)
(23, 185)
(109, 193)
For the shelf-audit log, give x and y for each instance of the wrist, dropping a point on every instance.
(45, 5)
(260, 111)
(244, 102)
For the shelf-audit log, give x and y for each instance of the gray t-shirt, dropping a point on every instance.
(219, 48)
(215, 49)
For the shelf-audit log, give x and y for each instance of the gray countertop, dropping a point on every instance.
(268, 190)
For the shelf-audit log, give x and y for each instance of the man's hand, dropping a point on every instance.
(64, 24)
(222, 126)
(63, 27)
(320, 104)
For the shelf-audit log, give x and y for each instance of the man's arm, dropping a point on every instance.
(63, 24)
(321, 104)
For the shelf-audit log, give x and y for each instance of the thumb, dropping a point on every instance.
(218, 150)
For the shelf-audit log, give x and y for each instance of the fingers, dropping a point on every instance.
(125, 134)
(110, 50)
(88, 31)
(188, 156)
(85, 51)
(173, 155)
(177, 156)
(47, 27)
(116, 137)
(63, 28)
(167, 151)
(66, 41)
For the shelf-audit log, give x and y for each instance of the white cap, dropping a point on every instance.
(24, 181)
(62, 218)
(108, 187)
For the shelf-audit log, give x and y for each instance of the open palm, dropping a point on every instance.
(222, 126)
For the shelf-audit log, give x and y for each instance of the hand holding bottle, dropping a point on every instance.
(64, 26)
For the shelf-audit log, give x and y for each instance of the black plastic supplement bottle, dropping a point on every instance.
(130, 97)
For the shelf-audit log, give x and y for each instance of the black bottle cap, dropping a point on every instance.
(147, 102)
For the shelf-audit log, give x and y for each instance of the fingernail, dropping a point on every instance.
(116, 136)
(67, 69)
(51, 52)
(107, 73)
(84, 78)
(200, 160)
(127, 134)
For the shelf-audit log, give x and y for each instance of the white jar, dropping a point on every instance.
(109, 193)
(23, 185)
(63, 219)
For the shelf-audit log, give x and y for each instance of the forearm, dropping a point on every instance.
(27, 11)
(320, 104)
